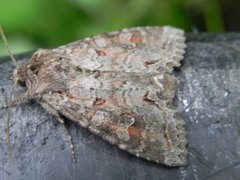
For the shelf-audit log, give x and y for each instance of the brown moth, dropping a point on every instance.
(119, 85)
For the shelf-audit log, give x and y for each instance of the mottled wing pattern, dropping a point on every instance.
(134, 50)
(119, 85)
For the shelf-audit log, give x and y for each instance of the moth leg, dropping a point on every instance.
(52, 111)
(18, 100)
(70, 141)
(23, 98)
(2, 105)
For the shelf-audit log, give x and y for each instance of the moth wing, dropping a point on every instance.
(134, 50)
(119, 85)
(127, 110)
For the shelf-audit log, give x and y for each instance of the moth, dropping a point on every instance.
(119, 85)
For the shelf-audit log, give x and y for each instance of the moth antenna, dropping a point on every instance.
(10, 102)
(12, 89)
(7, 46)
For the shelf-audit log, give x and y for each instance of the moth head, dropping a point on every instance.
(46, 71)
(22, 73)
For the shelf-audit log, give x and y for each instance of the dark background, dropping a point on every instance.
(32, 24)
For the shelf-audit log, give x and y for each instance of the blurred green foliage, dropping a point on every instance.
(30, 24)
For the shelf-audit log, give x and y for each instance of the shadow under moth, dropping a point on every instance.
(119, 85)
